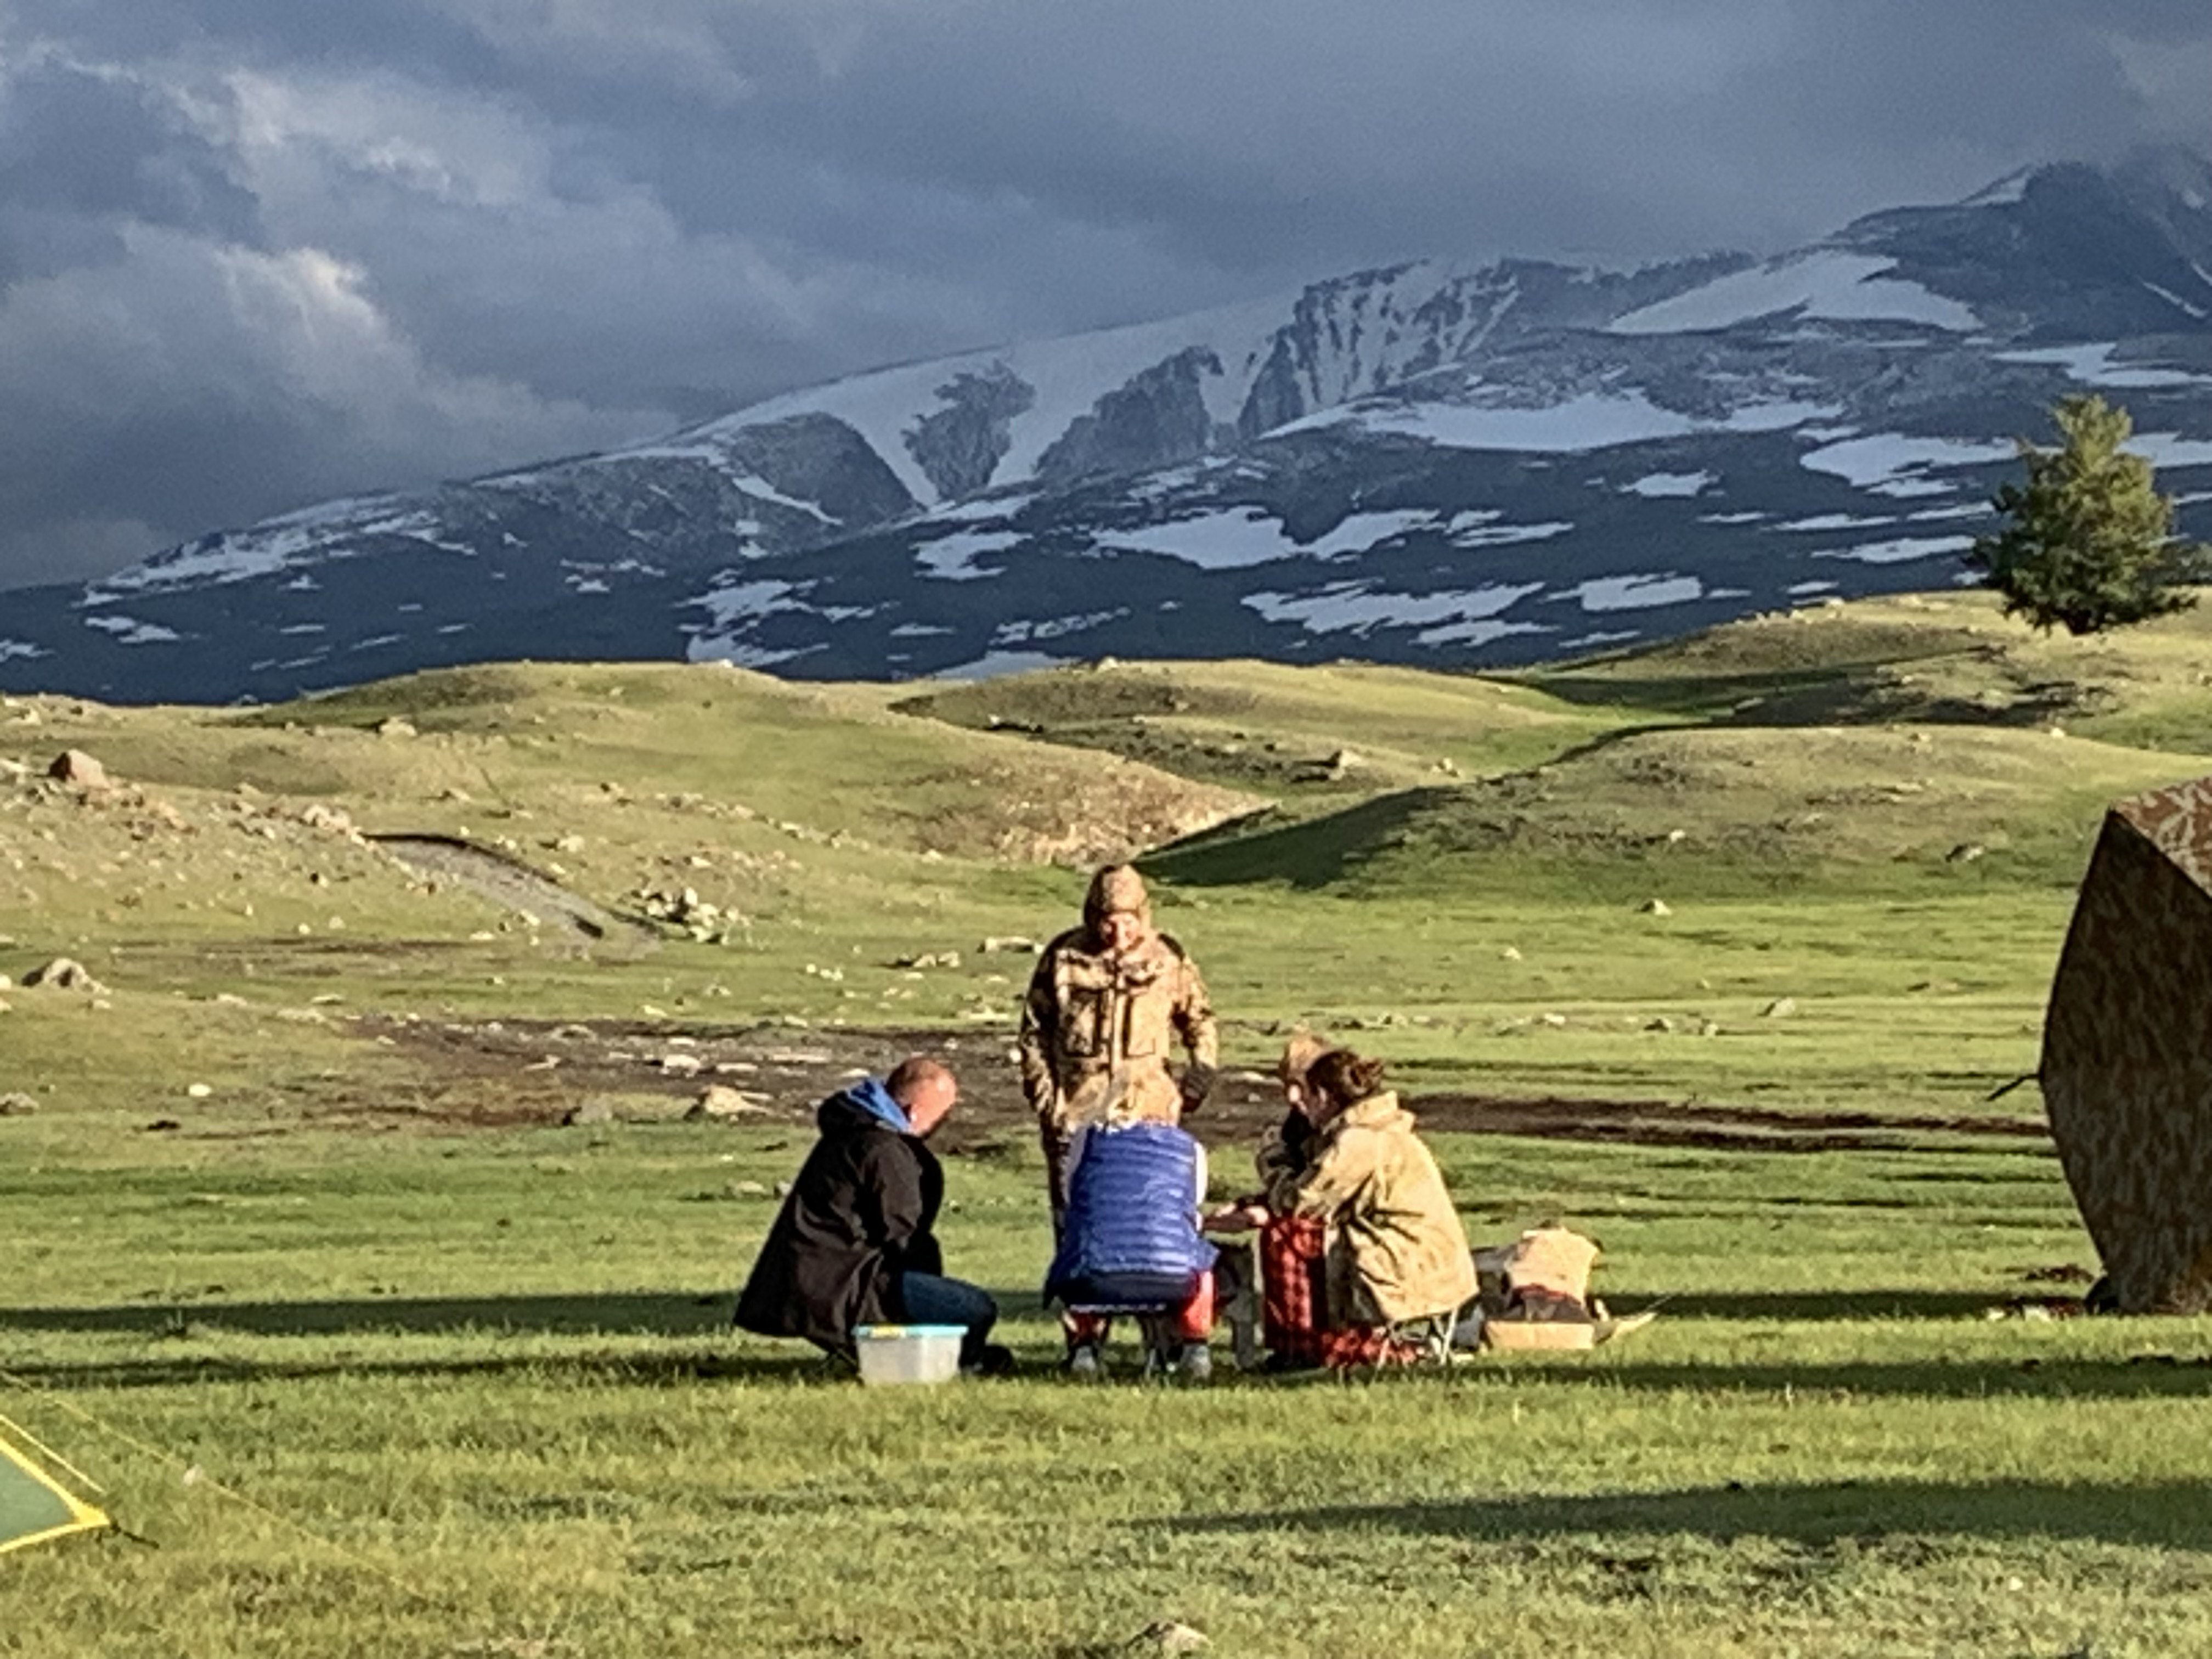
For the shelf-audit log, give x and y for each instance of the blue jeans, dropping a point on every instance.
(932, 1300)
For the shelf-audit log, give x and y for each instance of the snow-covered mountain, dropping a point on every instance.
(1424, 464)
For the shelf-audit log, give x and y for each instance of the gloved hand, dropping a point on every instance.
(1197, 1083)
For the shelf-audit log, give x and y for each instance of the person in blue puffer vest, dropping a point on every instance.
(1130, 1242)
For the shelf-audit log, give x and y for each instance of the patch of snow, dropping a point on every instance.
(1835, 521)
(2177, 301)
(303, 583)
(2171, 449)
(1660, 486)
(1476, 632)
(1587, 420)
(1066, 377)
(1804, 589)
(1730, 518)
(377, 641)
(1230, 540)
(917, 631)
(1503, 535)
(1887, 459)
(1053, 628)
(1826, 284)
(588, 585)
(761, 490)
(1635, 592)
(1945, 514)
(266, 548)
(2091, 365)
(1602, 637)
(1357, 608)
(1777, 417)
(952, 558)
(305, 627)
(1361, 531)
(456, 628)
(1902, 550)
(2008, 189)
(128, 630)
(996, 664)
(985, 510)
(10, 650)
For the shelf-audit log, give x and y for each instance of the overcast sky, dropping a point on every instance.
(255, 254)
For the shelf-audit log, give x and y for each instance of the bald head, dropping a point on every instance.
(925, 1089)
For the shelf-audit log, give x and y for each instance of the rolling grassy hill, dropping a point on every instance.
(291, 1202)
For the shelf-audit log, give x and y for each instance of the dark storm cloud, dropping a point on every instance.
(256, 251)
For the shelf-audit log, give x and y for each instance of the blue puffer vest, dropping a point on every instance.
(1130, 1238)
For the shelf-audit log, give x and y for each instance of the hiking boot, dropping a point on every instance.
(1195, 1363)
(1085, 1363)
(991, 1360)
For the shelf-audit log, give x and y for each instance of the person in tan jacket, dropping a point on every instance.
(1108, 1005)
(1396, 1251)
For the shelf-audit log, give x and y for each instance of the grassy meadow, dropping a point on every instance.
(1715, 951)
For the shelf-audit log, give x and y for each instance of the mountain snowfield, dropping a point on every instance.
(1426, 464)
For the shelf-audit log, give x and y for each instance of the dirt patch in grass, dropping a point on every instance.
(513, 1071)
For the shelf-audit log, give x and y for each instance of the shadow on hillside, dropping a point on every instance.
(2170, 1516)
(1311, 855)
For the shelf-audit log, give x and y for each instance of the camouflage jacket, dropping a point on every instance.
(1097, 1032)
(1396, 1249)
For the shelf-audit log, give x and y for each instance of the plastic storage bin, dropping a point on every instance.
(908, 1353)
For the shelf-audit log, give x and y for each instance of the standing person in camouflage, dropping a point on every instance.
(1108, 1002)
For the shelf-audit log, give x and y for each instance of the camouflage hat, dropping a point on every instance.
(1116, 890)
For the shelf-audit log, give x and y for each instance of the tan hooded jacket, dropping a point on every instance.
(1097, 1029)
(1396, 1249)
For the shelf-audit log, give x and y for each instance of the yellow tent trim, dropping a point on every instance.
(78, 1516)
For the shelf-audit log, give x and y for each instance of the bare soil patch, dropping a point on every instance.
(514, 1072)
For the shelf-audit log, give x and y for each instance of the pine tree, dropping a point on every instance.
(2091, 543)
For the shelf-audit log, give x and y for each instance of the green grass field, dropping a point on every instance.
(372, 1356)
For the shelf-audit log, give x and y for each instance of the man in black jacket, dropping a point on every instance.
(854, 1243)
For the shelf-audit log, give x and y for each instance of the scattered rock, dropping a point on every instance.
(1709, 1028)
(926, 959)
(1656, 907)
(1965, 853)
(1170, 1636)
(62, 973)
(1509, 954)
(1013, 943)
(198, 1090)
(681, 1065)
(1780, 1008)
(395, 726)
(719, 1100)
(589, 1112)
(1661, 1024)
(78, 770)
(1553, 1020)
(17, 1105)
(1676, 837)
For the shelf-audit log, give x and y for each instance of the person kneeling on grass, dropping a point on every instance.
(1396, 1253)
(1130, 1243)
(855, 1242)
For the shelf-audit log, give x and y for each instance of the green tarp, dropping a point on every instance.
(34, 1506)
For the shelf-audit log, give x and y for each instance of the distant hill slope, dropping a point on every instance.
(1422, 464)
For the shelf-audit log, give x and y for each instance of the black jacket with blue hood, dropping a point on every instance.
(862, 1212)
